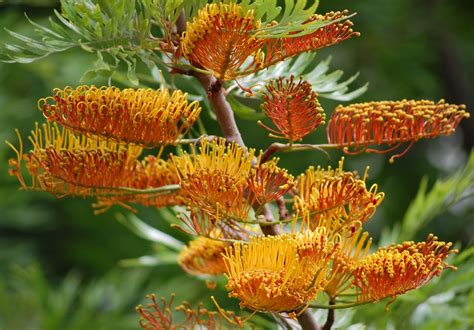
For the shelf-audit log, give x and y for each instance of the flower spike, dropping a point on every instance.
(268, 182)
(334, 198)
(293, 108)
(359, 126)
(67, 164)
(220, 39)
(214, 178)
(400, 268)
(142, 116)
(337, 30)
(203, 256)
(159, 316)
(278, 273)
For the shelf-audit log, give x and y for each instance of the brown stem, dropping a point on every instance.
(307, 321)
(331, 316)
(282, 210)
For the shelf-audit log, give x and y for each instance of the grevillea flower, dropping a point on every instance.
(278, 273)
(293, 108)
(214, 178)
(358, 126)
(160, 316)
(338, 29)
(268, 182)
(353, 247)
(221, 38)
(67, 164)
(204, 256)
(334, 198)
(141, 116)
(400, 268)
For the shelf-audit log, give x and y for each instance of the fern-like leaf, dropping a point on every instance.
(327, 85)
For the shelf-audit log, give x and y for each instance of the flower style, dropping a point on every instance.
(334, 198)
(67, 164)
(221, 39)
(336, 30)
(293, 108)
(361, 125)
(400, 268)
(214, 179)
(204, 256)
(278, 273)
(156, 316)
(353, 247)
(142, 116)
(268, 182)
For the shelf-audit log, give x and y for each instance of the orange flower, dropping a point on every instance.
(214, 179)
(337, 30)
(334, 198)
(141, 116)
(67, 164)
(278, 273)
(293, 108)
(221, 38)
(268, 182)
(361, 125)
(158, 316)
(352, 248)
(400, 268)
(203, 256)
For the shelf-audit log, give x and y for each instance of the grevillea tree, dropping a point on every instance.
(280, 241)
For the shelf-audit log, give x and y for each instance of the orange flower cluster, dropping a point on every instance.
(221, 38)
(214, 178)
(268, 182)
(219, 180)
(293, 108)
(203, 256)
(158, 316)
(226, 40)
(352, 248)
(400, 268)
(142, 116)
(280, 273)
(361, 125)
(277, 50)
(67, 164)
(334, 198)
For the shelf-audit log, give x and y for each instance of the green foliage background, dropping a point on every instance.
(61, 267)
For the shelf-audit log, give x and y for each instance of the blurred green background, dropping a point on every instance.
(60, 264)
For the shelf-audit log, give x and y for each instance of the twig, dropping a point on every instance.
(331, 315)
(288, 147)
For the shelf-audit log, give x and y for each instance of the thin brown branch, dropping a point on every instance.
(288, 147)
(308, 321)
(331, 316)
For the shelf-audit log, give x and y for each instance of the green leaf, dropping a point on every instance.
(147, 232)
(444, 194)
(327, 85)
(243, 111)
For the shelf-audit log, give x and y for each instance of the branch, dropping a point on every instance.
(308, 321)
(289, 147)
(331, 315)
